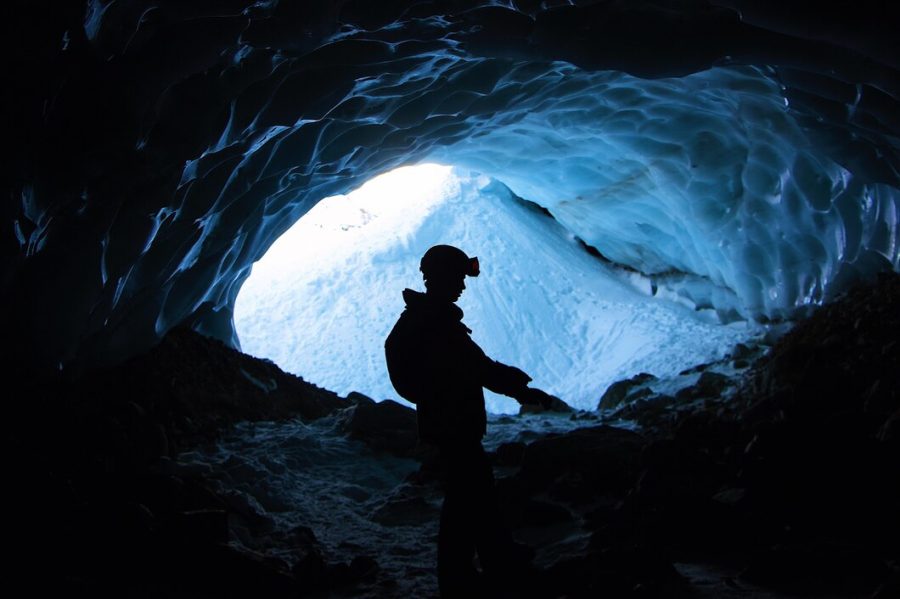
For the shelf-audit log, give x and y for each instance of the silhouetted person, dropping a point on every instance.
(435, 364)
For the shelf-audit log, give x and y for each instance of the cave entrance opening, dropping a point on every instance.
(323, 298)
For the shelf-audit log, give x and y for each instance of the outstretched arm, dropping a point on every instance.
(536, 397)
(501, 378)
(513, 382)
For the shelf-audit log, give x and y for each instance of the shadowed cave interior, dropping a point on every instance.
(737, 160)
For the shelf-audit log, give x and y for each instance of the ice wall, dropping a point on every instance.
(708, 181)
(708, 177)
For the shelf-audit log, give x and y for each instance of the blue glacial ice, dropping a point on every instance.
(705, 192)
(325, 296)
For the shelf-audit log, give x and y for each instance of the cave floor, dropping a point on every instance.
(300, 480)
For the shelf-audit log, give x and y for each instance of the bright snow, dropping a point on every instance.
(324, 297)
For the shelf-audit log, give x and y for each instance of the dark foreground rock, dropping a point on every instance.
(632, 388)
(95, 503)
(580, 464)
(383, 426)
(794, 482)
(790, 484)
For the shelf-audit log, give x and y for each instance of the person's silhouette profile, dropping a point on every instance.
(435, 364)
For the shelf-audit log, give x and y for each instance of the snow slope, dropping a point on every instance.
(322, 300)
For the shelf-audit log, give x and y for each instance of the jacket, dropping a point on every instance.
(434, 363)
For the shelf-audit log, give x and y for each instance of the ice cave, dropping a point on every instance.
(686, 213)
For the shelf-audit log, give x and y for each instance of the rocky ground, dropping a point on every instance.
(783, 482)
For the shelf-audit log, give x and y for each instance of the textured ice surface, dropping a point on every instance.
(706, 182)
(323, 299)
(707, 175)
(201, 132)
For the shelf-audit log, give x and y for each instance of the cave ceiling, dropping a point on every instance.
(160, 147)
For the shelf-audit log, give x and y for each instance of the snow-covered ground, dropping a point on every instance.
(286, 478)
(324, 297)
(285, 475)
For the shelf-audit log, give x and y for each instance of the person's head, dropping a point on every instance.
(445, 269)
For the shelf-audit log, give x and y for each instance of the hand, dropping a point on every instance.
(532, 397)
(518, 378)
(541, 400)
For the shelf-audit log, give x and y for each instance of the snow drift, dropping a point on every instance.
(322, 300)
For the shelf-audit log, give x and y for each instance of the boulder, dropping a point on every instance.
(619, 391)
(817, 568)
(709, 385)
(384, 426)
(599, 458)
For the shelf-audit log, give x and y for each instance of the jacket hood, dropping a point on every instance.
(416, 301)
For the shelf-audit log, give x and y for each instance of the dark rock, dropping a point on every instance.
(710, 384)
(606, 509)
(730, 496)
(619, 391)
(538, 401)
(630, 572)
(401, 510)
(595, 458)
(355, 397)
(229, 572)
(890, 431)
(304, 535)
(315, 576)
(188, 389)
(741, 352)
(510, 454)
(817, 569)
(363, 567)
(890, 588)
(686, 497)
(245, 506)
(695, 369)
(543, 513)
(199, 527)
(338, 575)
(384, 426)
(652, 411)
(675, 472)
(310, 572)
